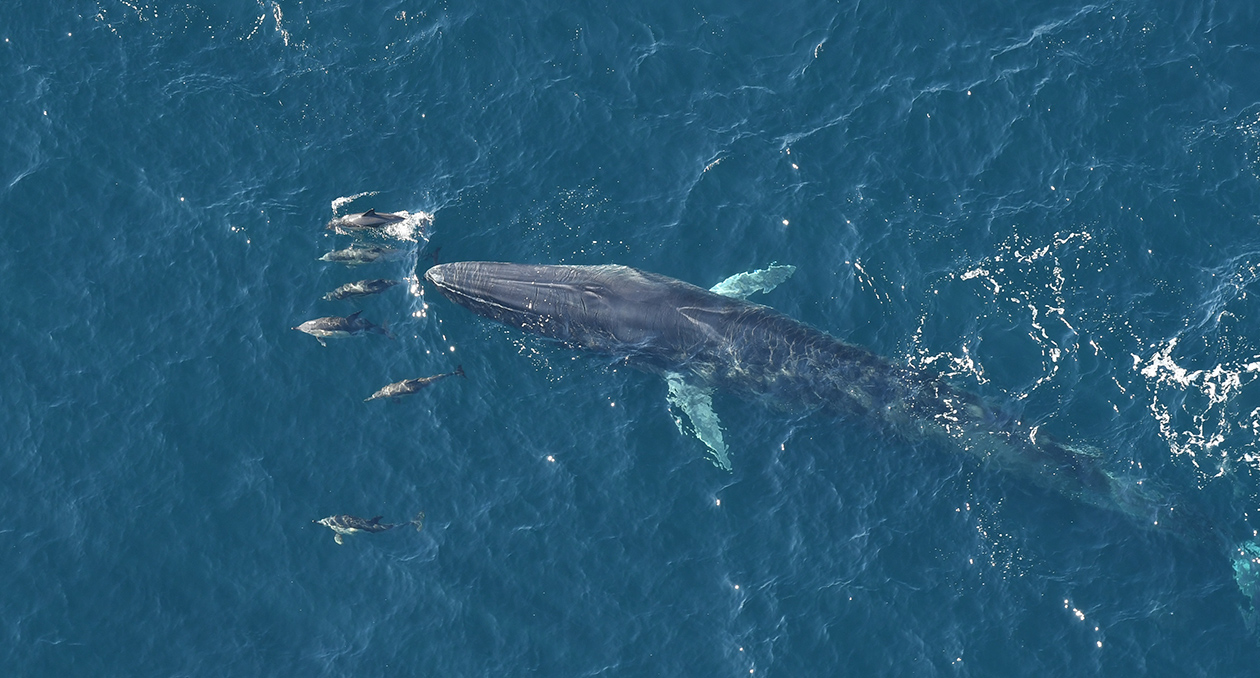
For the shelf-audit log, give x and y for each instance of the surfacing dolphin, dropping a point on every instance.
(336, 327)
(370, 219)
(344, 525)
(669, 327)
(405, 387)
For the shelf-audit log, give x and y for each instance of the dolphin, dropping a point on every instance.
(369, 220)
(408, 386)
(671, 327)
(351, 525)
(336, 327)
(361, 288)
(362, 254)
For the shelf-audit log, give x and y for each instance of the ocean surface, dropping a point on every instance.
(1055, 205)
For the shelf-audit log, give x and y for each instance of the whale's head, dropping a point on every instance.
(613, 309)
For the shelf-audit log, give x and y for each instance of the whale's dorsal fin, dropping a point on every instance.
(376, 520)
(353, 316)
(370, 213)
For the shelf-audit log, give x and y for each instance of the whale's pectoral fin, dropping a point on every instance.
(337, 538)
(697, 403)
(741, 285)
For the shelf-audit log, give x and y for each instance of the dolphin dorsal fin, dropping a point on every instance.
(370, 213)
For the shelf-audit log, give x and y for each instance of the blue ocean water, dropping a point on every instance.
(1056, 206)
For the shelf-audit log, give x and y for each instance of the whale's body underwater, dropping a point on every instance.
(668, 326)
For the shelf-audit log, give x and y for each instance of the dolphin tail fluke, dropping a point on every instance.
(418, 521)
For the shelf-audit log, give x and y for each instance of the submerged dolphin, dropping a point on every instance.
(362, 254)
(336, 327)
(351, 525)
(361, 288)
(408, 386)
(671, 327)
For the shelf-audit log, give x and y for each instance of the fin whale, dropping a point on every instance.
(668, 326)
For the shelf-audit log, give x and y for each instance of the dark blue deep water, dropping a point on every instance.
(1055, 205)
